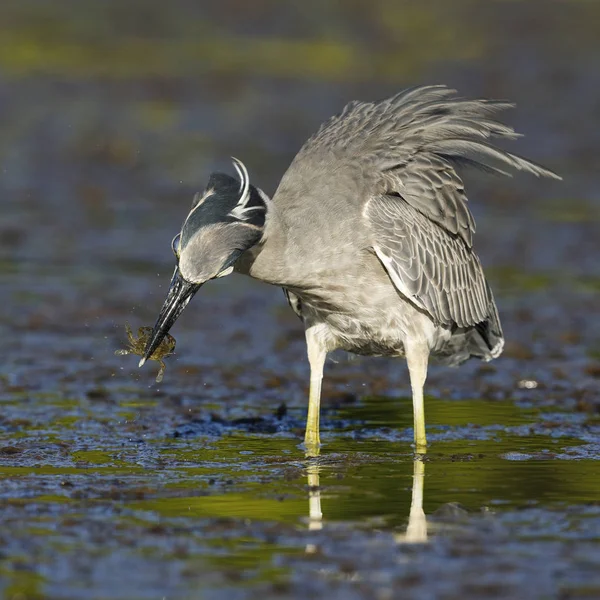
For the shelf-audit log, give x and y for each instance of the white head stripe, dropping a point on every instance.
(244, 182)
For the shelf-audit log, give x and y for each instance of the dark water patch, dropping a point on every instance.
(217, 426)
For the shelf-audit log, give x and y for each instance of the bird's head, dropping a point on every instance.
(225, 220)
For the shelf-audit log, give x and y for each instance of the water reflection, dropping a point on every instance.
(416, 530)
(315, 515)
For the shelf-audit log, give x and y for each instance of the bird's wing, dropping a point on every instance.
(429, 266)
(411, 143)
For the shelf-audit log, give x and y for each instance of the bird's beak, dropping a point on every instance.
(179, 294)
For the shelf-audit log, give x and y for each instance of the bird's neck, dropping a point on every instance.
(265, 260)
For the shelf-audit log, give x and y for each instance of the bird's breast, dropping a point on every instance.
(368, 317)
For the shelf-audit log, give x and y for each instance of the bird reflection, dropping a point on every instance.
(315, 516)
(416, 531)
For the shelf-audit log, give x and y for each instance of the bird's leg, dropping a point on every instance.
(417, 355)
(316, 359)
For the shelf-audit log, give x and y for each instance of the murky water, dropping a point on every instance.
(113, 486)
(131, 496)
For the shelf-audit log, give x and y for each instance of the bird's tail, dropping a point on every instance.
(484, 341)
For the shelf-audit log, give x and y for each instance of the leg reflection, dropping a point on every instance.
(315, 515)
(416, 532)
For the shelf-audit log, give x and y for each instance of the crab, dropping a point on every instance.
(138, 346)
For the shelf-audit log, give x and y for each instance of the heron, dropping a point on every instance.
(369, 234)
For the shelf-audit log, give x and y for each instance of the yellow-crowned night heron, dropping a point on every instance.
(369, 234)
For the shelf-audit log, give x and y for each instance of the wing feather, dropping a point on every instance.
(410, 144)
(432, 267)
(397, 160)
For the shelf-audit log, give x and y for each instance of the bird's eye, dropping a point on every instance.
(175, 244)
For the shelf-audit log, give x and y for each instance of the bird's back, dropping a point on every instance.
(372, 199)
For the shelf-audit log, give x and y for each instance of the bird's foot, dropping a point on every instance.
(312, 444)
(420, 446)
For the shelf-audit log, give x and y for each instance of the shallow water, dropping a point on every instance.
(137, 499)
(113, 486)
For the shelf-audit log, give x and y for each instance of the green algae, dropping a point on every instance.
(233, 505)
(376, 412)
(23, 583)
(48, 46)
(96, 457)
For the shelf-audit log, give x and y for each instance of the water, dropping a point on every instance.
(113, 486)
(138, 499)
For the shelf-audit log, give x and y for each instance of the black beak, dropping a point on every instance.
(179, 294)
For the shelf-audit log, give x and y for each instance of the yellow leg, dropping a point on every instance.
(316, 359)
(417, 356)
(312, 439)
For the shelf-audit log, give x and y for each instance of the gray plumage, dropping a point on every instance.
(370, 235)
(389, 168)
